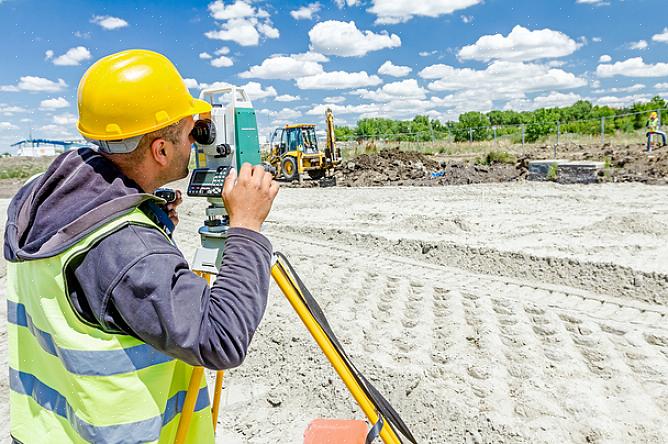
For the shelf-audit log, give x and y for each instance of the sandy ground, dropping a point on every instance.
(514, 313)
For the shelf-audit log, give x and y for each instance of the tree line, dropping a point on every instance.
(581, 118)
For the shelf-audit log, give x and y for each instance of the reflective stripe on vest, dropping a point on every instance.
(84, 362)
(141, 431)
(71, 381)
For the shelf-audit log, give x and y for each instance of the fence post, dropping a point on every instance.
(431, 130)
(659, 116)
(470, 135)
(522, 136)
(603, 130)
(558, 131)
(494, 129)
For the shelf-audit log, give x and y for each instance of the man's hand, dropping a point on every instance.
(170, 208)
(248, 196)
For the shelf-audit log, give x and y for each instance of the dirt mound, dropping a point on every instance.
(395, 167)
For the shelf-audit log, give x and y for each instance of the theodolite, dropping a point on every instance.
(226, 138)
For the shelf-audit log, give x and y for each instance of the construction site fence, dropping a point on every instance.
(503, 137)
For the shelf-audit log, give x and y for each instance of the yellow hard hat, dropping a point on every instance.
(653, 114)
(131, 93)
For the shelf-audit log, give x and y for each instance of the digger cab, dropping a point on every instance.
(294, 151)
(295, 138)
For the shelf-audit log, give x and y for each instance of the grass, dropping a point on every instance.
(22, 167)
(496, 157)
(553, 172)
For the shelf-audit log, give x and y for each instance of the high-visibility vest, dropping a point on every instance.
(72, 382)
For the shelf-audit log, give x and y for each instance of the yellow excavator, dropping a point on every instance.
(294, 151)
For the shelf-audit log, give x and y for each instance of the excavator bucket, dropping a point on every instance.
(336, 431)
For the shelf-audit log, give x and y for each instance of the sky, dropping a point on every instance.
(362, 58)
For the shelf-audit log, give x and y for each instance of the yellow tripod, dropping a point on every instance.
(366, 396)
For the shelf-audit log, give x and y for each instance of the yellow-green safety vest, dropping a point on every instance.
(71, 382)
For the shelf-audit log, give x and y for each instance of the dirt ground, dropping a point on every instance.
(628, 163)
(494, 313)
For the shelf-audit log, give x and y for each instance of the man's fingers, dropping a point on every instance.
(228, 185)
(273, 189)
(245, 171)
(258, 175)
(266, 180)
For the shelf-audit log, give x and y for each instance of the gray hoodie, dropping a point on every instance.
(135, 281)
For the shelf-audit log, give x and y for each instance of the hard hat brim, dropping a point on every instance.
(198, 107)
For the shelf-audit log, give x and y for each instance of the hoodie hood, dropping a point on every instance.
(79, 192)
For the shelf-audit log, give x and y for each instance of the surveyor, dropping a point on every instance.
(106, 319)
(653, 127)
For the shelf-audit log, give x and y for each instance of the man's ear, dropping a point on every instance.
(160, 151)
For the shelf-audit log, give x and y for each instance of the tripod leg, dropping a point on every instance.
(189, 405)
(291, 292)
(216, 398)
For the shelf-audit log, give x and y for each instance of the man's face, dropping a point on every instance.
(182, 149)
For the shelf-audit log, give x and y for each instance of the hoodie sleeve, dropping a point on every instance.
(150, 292)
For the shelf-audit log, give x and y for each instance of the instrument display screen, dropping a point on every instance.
(207, 182)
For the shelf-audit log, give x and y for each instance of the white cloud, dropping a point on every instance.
(593, 2)
(309, 56)
(521, 44)
(334, 99)
(205, 56)
(191, 83)
(241, 31)
(73, 56)
(338, 80)
(8, 126)
(57, 130)
(399, 11)
(285, 115)
(390, 69)
(283, 68)
(466, 18)
(56, 103)
(287, 98)
(552, 100)
(82, 35)
(605, 59)
(9, 110)
(344, 39)
(65, 119)
(241, 22)
(405, 89)
(222, 61)
(426, 53)
(268, 30)
(633, 67)
(639, 45)
(342, 3)
(618, 102)
(627, 89)
(596, 39)
(108, 22)
(253, 89)
(663, 37)
(306, 12)
(48, 54)
(661, 86)
(398, 109)
(501, 79)
(33, 83)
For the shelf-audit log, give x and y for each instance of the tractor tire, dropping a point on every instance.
(316, 174)
(289, 169)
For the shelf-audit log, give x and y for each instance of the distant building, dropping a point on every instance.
(47, 147)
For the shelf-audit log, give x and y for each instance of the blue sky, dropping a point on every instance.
(363, 58)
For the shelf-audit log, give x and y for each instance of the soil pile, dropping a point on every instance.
(397, 168)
